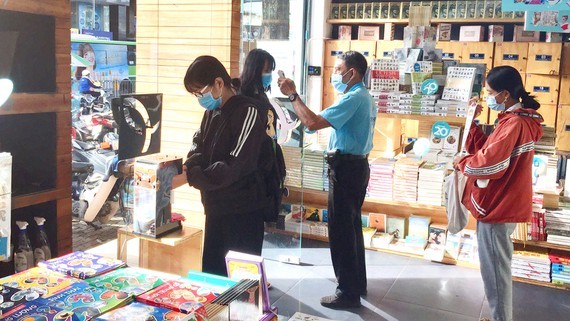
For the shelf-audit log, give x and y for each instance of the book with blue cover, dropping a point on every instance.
(12, 297)
(134, 281)
(137, 311)
(43, 281)
(86, 302)
(82, 265)
(36, 310)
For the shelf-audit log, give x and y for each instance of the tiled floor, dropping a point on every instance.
(399, 288)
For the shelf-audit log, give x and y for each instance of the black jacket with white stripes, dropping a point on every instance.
(224, 160)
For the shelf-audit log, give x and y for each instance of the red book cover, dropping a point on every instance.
(543, 231)
(180, 296)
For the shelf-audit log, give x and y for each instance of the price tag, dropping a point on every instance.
(543, 58)
(440, 129)
(429, 87)
(541, 89)
(448, 55)
(365, 53)
(476, 56)
(510, 57)
(387, 54)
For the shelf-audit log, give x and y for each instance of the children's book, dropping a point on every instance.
(12, 297)
(133, 281)
(43, 281)
(82, 265)
(247, 266)
(86, 302)
(137, 311)
(179, 295)
(36, 310)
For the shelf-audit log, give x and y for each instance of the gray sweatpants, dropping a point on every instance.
(495, 255)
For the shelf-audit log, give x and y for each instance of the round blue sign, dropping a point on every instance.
(440, 129)
(417, 67)
(429, 87)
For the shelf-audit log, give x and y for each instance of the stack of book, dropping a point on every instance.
(314, 169)
(558, 226)
(292, 156)
(560, 267)
(386, 100)
(546, 144)
(381, 180)
(384, 75)
(452, 108)
(531, 265)
(430, 183)
(406, 179)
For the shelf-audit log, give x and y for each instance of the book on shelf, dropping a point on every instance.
(377, 221)
(435, 249)
(81, 265)
(381, 240)
(368, 233)
(247, 266)
(134, 281)
(396, 226)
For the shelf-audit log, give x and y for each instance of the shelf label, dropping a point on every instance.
(440, 129)
(387, 54)
(335, 53)
(543, 58)
(510, 57)
(541, 89)
(567, 128)
(477, 56)
(365, 53)
(448, 55)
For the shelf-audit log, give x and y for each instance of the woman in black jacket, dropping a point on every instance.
(223, 163)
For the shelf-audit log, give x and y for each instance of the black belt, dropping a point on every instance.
(344, 157)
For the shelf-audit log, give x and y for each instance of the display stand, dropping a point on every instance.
(175, 253)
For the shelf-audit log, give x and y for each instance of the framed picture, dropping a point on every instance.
(451, 10)
(405, 10)
(443, 10)
(395, 10)
(384, 10)
(461, 9)
(489, 9)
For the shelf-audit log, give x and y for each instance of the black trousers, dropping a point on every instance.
(242, 232)
(348, 180)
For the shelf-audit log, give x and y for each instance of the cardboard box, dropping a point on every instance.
(389, 31)
(520, 35)
(368, 33)
(344, 32)
(153, 184)
(496, 33)
(471, 33)
(444, 32)
(553, 37)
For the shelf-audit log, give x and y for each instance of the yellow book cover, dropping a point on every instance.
(43, 281)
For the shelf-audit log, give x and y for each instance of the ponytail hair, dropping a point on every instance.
(528, 101)
(507, 78)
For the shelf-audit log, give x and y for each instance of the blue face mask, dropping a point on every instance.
(336, 81)
(493, 104)
(266, 80)
(209, 102)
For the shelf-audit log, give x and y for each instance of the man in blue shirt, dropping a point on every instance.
(352, 118)
(86, 86)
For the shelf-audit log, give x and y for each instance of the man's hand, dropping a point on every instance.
(287, 86)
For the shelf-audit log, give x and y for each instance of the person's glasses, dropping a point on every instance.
(200, 94)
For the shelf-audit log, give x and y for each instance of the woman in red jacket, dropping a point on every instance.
(498, 192)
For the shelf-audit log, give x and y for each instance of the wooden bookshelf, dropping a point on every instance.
(542, 244)
(542, 283)
(406, 21)
(449, 119)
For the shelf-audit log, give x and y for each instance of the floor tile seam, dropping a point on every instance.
(393, 282)
(429, 307)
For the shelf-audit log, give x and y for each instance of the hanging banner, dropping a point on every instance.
(536, 5)
(550, 21)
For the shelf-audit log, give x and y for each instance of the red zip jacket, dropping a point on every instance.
(505, 160)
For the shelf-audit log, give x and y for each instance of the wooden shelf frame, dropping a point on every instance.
(544, 245)
(449, 119)
(541, 283)
(379, 21)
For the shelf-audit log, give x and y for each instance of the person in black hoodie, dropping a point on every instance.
(224, 163)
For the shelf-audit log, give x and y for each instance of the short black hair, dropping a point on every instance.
(354, 59)
(203, 71)
(508, 78)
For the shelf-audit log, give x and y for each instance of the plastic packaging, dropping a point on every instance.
(23, 256)
(42, 250)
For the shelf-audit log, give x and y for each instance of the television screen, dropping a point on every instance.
(27, 53)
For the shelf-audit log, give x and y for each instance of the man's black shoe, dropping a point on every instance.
(339, 302)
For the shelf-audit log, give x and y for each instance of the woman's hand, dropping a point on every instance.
(478, 108)
(456, 161)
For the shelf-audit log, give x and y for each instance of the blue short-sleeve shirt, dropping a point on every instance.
(352, 118)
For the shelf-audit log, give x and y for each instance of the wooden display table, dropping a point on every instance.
(175, 253)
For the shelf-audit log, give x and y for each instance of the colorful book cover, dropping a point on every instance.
(133, 281)
(40, 280)
(179, 295)
(435, 249)
(12, 297)
(396, 226)
(243, 266)
(82, 265)
(36, 310)
(378, 221)
(86, 302)
(137, 311)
